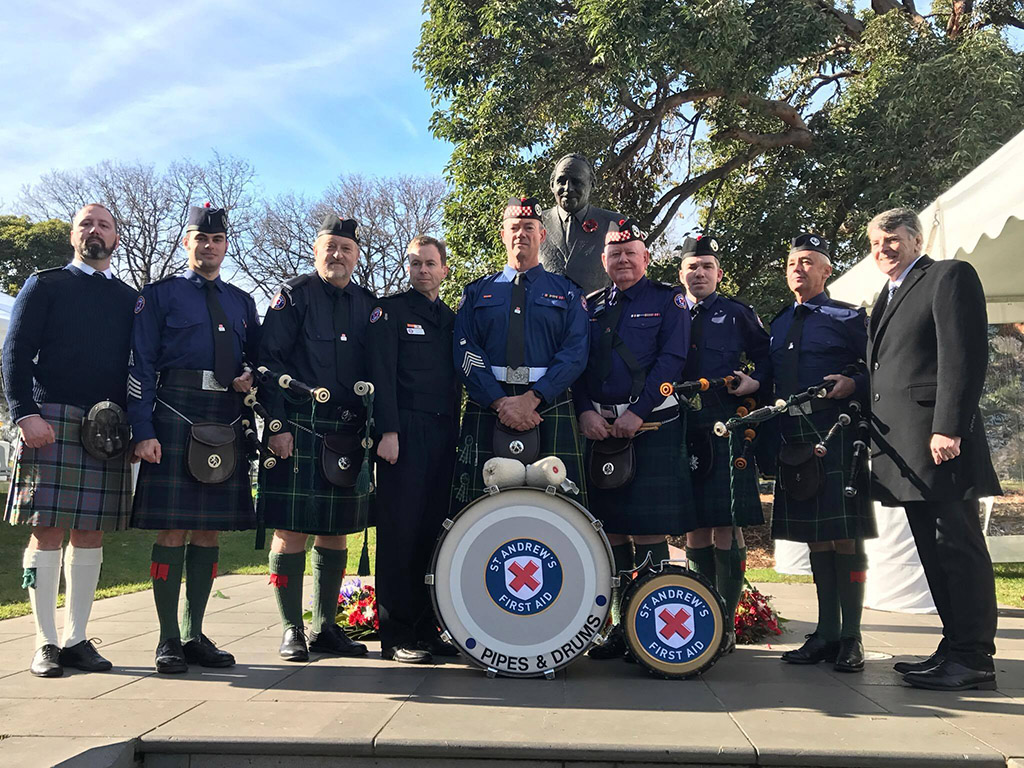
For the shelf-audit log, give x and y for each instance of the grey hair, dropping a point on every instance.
(894, 218)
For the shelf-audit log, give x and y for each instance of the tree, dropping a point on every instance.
(759, 111)
(26, 246)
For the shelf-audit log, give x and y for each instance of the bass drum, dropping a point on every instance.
(521, 581)
(674, 622)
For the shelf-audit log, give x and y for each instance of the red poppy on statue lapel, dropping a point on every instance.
(590, 225)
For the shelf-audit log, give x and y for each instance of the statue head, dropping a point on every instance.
(572, 180)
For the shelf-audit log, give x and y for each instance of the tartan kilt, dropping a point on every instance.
(830, 515)
(725, 484)
(559, 436)
(660, 499)
(167, 497)
(295, 496)
(62, 486)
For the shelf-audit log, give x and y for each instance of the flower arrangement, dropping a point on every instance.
(756, 619)
(357, 609)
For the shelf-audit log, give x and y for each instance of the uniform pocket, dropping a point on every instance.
(924, 394)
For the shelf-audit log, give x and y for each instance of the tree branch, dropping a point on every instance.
(853, 26)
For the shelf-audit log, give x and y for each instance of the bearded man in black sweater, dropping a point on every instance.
(65, 366)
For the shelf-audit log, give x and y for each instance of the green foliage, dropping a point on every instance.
(26, 246)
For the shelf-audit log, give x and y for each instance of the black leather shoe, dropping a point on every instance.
(851, 655)
(84, 656)
(203, 652)
(952, 676)
(170, 658)
(334, 640)
(813, 651)
(406, 654)
(293, 645)
(438, 647)
(613, 647)
(46, 662)
(903, 667)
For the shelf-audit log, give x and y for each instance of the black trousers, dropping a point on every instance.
(412, 502)
(959, 572)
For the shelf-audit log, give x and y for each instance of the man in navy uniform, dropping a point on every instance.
(521, 340)
(67, 350)
(191, 335)
(416, 411)
(726, 498)
(316, 331)
(814, 339)
(639, 332)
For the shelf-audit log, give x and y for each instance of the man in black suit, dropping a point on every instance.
(927, 353)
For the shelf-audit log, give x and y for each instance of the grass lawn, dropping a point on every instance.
(126, 562)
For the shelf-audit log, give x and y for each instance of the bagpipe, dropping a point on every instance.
(264, 375)
(687, 388)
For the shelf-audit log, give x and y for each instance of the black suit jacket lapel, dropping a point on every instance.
(901, 293)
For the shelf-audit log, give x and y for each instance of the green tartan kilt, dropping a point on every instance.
(295, 496)
(659, 500)
(167, 497)
(725, 484)
(62, 486)
(830, 515)
(559, 436)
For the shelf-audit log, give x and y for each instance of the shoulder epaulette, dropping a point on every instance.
(365, 290)
(295, 282)
(843, 304)
(743, 304)
(51, 273)
(595, 295)
(661, 284)
(779, 314)
(239, 290)
(163, 280)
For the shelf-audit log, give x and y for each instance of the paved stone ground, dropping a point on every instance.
(748, 710)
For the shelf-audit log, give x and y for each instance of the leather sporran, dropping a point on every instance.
(612, 463)
(512, 444)
(341, 455)
(801, 473)
(105, 434)
(212, 452)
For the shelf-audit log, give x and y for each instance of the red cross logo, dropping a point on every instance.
(675, 623)
(523, 576)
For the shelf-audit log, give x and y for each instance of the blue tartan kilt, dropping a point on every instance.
(167, 497)
(830, 515)
(724, 485)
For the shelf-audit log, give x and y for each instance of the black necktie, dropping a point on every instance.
(515, 349)
(789, 366)
(696, 334)
(609, 321)
(223, 346)
(340, 329)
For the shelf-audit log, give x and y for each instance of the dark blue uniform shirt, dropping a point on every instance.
(556, 336)
(834, 336)
(655, 326)
(729, 328)
(173, 330)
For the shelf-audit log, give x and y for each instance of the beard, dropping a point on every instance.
(94, 249)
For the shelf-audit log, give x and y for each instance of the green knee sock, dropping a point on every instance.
(328, 573)
(823, 567)
(200, 571)
(623, 557)
(657, 552)
(286, 571)
(165, 571)
(702, 560)
(851, 574)
(729, 567)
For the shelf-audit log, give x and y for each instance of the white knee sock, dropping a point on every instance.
(81, 572)
(42, 593)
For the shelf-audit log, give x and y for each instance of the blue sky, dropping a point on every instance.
(304, 91)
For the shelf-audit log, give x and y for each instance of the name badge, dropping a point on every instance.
(414, 330)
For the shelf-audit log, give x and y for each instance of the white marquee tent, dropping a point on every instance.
(6, 305)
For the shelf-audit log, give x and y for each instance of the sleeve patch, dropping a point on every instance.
(470, 361)
(134, 388)
(140, 304)
(680, 301)
(278, 302)
(376, 314)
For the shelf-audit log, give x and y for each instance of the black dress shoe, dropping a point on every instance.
(406, 654)
(170, 658)
(613, 647)
(332, 639)
(813, 651)
(293, 645)
(438, 647)
(903, 667)
(952, 676)
(84, 656)
(46, 662)
(851, 655)
(203, 652)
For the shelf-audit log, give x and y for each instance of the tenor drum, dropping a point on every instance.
(674, 621)
(521, 581)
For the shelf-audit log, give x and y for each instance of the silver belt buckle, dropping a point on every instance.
(520, 375)
(210, 383)
(803, 409)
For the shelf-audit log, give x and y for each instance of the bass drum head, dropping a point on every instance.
(674, 622)
(521, 581)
